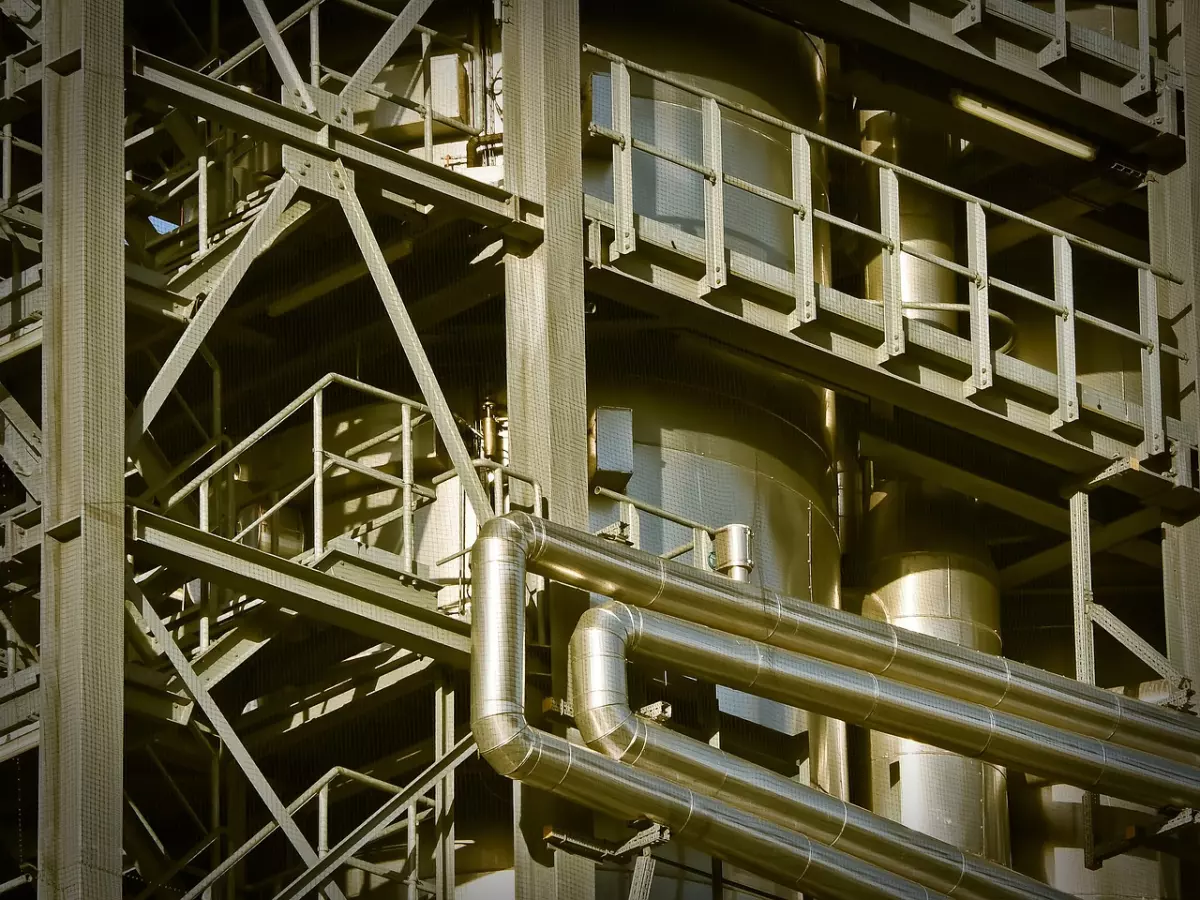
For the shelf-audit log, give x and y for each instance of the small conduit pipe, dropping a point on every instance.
(603, 641)
(594, 564)
(548, 762)
(870, 701)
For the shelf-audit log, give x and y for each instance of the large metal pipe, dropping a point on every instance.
(606, 636)
(878, 703)
(535, 757)
(604, 567)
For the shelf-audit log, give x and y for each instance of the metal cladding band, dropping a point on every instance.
(599, 649)
(643, 580)
(548, 762)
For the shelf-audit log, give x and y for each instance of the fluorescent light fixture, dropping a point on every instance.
(1022, 126)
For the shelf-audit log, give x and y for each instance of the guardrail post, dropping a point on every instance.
(318, 439)
(622, 120)
(802, 230)
(1142, 84)
(1064, 325)
(408, 552)
(893, 291)
(714, 195)
(982, 373)
(1058, 47)
(1154, 439)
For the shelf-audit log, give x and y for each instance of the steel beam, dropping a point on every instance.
(83, 373)
(999, 55)
(398, 31)
(289, 585)
(284, 64)
(262, 233)
(1105, 538)
(21, 444)
(233, 744)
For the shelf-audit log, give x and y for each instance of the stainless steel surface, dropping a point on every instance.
(929, 573)
(640, 579)
(732, 547)
(540, 759)
(603, 641)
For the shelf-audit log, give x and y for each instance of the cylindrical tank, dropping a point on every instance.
(719, 443)
(929, 572)
(927, 217)
(695, 41)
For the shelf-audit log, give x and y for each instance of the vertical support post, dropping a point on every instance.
(83, 389)
(622, 121)
(1064, 325)
(314, 46)
(546, 358)
(408, 552)
(318, 451)
(802, 231)
(1174, 210)
(323, 820)
(443, 739)
(427, 92)
(893, 284)
(977, 296)
(6, 164)
(1153, 436)
(1057, 48)
(1142, 83)
(714, 195)
(202, 188)
(1081, 586)
(412, 862)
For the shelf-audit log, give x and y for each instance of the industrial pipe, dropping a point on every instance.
(595, 564)
(548, 762)
(603, 641)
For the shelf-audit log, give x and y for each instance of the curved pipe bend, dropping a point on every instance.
(546, 761)
(606, 637)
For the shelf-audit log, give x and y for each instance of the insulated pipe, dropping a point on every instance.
(884, 705)
(595, 564)
(548, 762)
(600, 646)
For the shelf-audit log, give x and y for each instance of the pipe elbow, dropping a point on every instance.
(517, 528)
(505, 740)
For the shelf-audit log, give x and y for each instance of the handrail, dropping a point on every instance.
(915, 177)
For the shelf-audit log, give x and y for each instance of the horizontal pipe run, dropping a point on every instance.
(599, 649)
(655, 511)
(881, 704)
(548, 762)
(640, 579)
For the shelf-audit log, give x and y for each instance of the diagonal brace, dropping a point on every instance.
(284, 64)
(260, 236)
(431, 390)
(401, 27)
(135, 600)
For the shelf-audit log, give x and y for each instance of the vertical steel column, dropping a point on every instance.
(314, 47)
(893, 283)
(802, 230)
(714, 194)
(443, 740)
(427, 92)
(1153, 438)
(544, 308)
(1174, 208)
(318, 488)
(83, 388)
(1064, 296)
(622, 121)
(977, 295)
(1081, 586)
(408, 552)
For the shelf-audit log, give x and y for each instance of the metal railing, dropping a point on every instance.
(412, 494)
(627, 529)
(804, 212)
